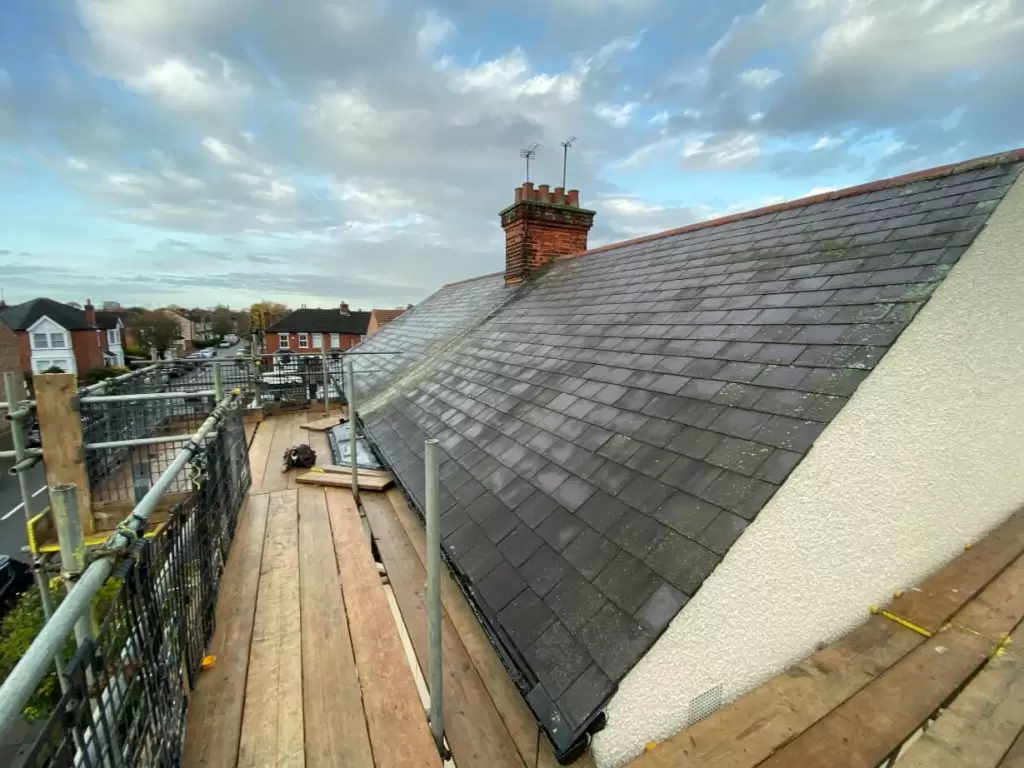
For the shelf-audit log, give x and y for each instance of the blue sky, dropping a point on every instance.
(191, 152)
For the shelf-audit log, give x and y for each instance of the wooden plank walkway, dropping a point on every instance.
(858, 701)
(311, 669)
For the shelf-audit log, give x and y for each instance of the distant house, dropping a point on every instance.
(313, 330)
(56, 335)
(381, 317)
(113, 326)
(202, 324)
(186, 329)
(10, 362)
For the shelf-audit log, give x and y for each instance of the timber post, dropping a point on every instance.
(60, 432)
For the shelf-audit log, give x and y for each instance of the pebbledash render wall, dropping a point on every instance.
(926, 457)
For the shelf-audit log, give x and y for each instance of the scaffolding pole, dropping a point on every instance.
(434, 667)
(350, 396)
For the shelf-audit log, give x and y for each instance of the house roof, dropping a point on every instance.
(107, 320)
(387, 315)
(612, 426)
(322, 321)
(21, 317)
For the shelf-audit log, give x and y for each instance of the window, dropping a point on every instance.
(318, 340)
(57, 341)
(41, 366)
(284, 340)
(334, 340)
(40, 341)
(303, 341)
(113, 337)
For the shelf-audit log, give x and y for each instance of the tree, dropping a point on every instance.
(157, 330)
(273, 311)
(223, 321)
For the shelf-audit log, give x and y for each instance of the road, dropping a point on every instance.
(13, 535)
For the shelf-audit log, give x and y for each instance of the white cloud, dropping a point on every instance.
(509, 77)
(759, 79)
(826, 141)
(185, 85)
(629, 206)
(616, 114)
(721, 151)
(222, 151)
(433, 31)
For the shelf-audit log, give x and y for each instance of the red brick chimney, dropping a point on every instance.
(90, 312)
(541, 225)
(344, 308)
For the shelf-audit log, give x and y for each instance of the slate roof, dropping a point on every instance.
(611, 427)
(21, 317)
(322, 321)
(107, 320)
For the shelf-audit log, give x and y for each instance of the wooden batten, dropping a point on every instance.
(344, 480)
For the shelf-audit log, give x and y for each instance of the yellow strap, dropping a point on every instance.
(901, 621)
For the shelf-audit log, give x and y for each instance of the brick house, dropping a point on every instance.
(10, 362)
(381, 317)
(313, 330)
(53, 334)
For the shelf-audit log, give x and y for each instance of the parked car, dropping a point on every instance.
(34, 440)
(224, 343)
(15, 578)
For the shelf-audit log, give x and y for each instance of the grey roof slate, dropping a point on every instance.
(107, 320)
(611, 427)
(21, 317)
(322, 321)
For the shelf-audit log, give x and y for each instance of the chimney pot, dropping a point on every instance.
(519, 194)
(344, 308)
(558, 196)
(544, 193)
(528, 193)
(573, 198)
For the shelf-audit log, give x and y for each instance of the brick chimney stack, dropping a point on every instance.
(90, 312)
(541, 225)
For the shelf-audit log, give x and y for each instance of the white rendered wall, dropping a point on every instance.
(927, 456)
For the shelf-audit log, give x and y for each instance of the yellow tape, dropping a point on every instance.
(901, 621)
(1000, 643)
